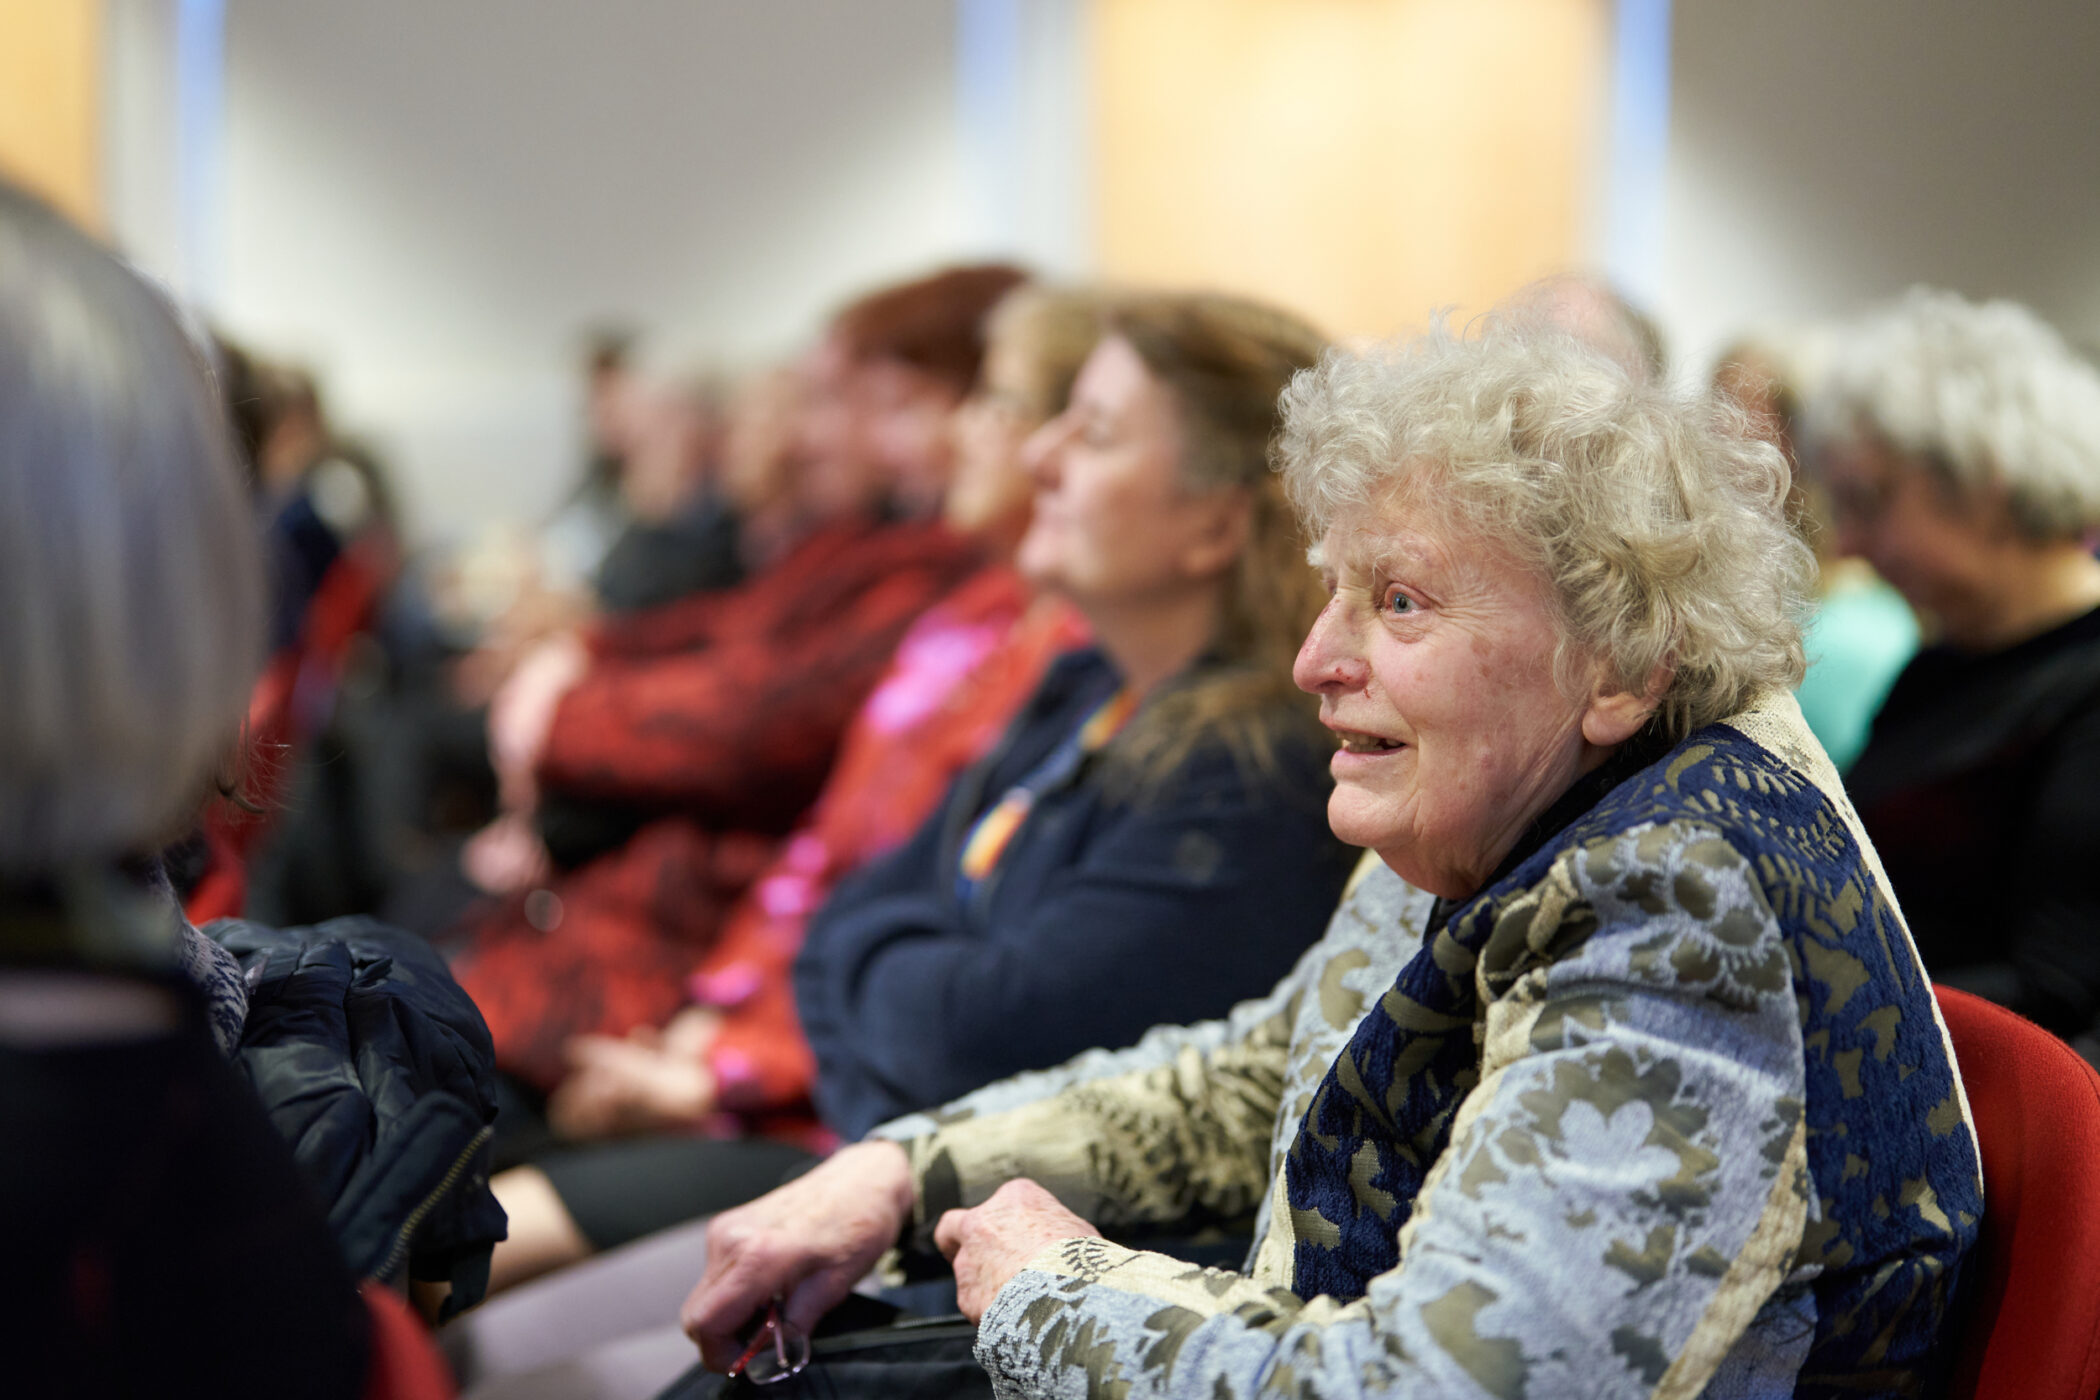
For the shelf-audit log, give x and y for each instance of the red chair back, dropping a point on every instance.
(2032, 1316)
(405, 1361)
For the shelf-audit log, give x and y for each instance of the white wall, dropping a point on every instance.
(1826, 153)
(427, 202)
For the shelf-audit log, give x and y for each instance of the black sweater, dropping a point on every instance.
(1980, 787)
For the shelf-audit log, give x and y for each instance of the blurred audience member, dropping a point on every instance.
(682, 534)
(664, 756)
(575, 540)
(1599, 315)
(1961, 447)
(1862, 632)
(159, 1238)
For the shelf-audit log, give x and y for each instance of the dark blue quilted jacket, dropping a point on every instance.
(378, 1070)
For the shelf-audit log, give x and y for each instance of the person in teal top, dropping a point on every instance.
(1862, 636)
(1862, 633)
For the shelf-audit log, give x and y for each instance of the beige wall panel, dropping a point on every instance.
(49, 95)
(1365, 161)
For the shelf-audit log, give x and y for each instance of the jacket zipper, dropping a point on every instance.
(396, 1255)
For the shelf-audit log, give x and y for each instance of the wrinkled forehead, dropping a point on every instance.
(1385, 541)
(1415, 535)
(1404, 514)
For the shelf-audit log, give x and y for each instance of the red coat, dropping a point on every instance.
(725, 711)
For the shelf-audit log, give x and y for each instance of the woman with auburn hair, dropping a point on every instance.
(663, 755)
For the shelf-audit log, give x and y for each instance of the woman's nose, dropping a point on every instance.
(1041, 450)
(1330, 661)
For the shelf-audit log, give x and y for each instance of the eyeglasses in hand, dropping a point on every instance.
(777, 1351)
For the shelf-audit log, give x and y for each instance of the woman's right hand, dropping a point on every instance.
(806, 1243)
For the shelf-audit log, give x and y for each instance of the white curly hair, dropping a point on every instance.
(1983, 395)
(1655, 517)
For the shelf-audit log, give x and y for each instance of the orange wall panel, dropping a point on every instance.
(1364, 161)
(50, 97)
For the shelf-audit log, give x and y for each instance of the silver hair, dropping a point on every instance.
(1984, 396)
(131, 594)
(1656, 518)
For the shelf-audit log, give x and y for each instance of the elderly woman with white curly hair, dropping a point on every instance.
(1614, 1074)
(1961, 446)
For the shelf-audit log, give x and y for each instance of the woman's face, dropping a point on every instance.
(992, 487)
(1433, 661)
(1939, 552)
(871, 428)
(1114, 526)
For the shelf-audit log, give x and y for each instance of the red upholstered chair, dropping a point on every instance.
(2031, 1324)
(405, 1361)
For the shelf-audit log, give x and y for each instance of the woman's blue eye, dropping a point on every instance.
(1399, 603)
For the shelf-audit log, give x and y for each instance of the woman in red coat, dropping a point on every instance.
(706, 727)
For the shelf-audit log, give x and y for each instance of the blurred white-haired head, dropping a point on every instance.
(1985, 396)
(131, 594)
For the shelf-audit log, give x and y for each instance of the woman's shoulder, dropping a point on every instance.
(1711, 858)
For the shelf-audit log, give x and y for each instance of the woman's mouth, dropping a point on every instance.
(1354, 742)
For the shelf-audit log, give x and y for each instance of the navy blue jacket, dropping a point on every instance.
(377, 1069)
(1104, 918)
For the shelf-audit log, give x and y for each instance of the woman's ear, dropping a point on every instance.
(1616, 715)
(1221, 534)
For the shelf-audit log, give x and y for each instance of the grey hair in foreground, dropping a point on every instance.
(1656, 518)
(130, 585)
(1982, 395)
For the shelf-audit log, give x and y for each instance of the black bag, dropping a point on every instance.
(905, 1358)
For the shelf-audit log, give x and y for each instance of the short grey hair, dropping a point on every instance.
(1981, 395)
(131, 594)
(1654, 517)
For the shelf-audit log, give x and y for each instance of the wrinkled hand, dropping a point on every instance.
(647, 1081)
(988, 1245)
(808, 1242)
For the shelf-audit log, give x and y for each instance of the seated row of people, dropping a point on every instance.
(1143, 842)
(677, 1072)
(1617, 879)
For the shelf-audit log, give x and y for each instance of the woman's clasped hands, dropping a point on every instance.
(810, 1241)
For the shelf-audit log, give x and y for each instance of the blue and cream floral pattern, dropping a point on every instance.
(1668, 1111)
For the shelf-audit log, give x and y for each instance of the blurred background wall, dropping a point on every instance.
(1822, 155)
(429, 203)
(50, 87)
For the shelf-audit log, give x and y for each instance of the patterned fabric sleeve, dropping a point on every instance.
(1171, 1129)
(1624, 1191)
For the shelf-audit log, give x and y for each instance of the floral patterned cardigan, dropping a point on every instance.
(1666, 1110)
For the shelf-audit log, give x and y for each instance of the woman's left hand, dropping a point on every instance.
(989, 1244)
